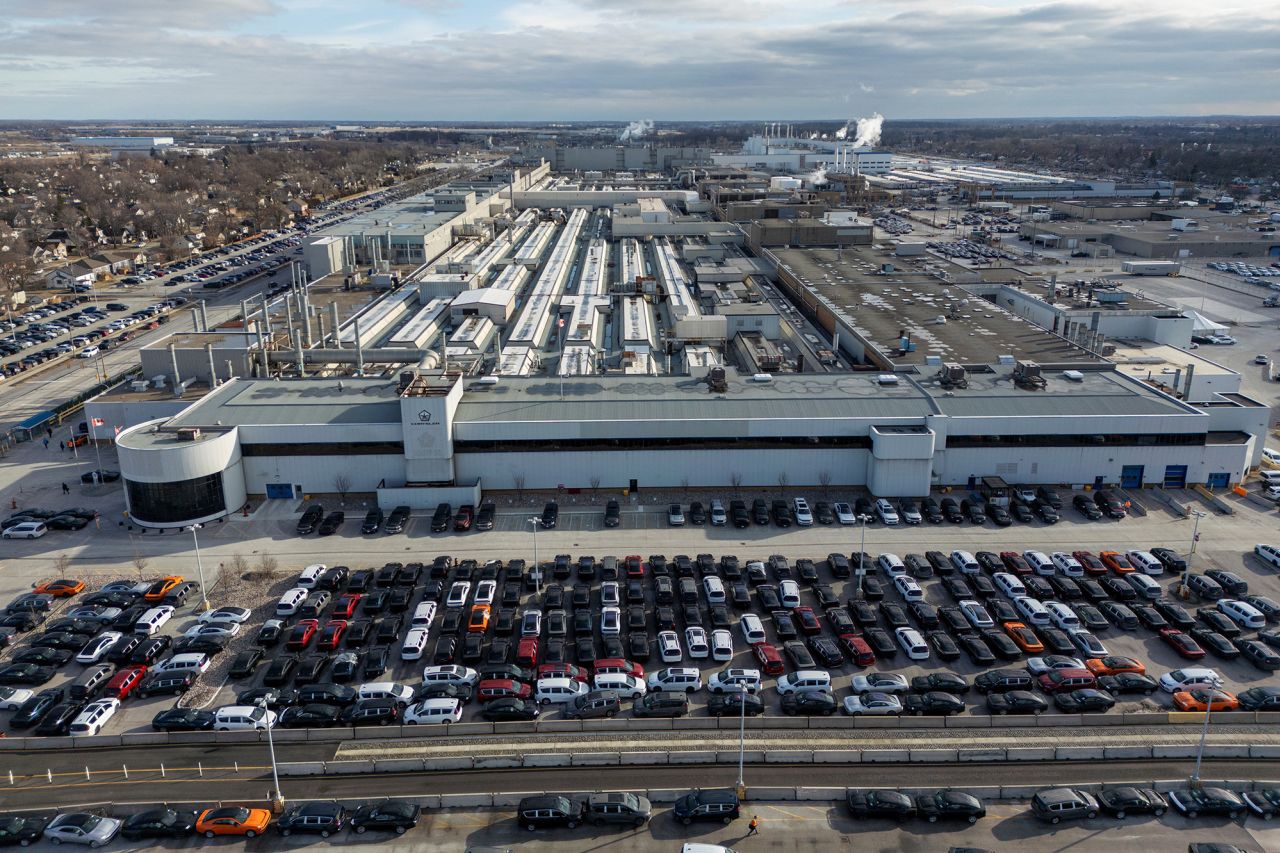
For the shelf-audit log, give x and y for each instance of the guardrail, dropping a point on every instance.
(618, 726)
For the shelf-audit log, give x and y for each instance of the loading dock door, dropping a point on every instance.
(1175, 476)
(282, 491)
(1220, 480)
(1131, 477)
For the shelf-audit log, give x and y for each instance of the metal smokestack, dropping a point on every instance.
(173, 356)
(213, 371)
(297, 346)
(333, 316)
(359, 351)
(204, 316)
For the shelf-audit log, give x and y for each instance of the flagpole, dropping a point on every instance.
(93, 431)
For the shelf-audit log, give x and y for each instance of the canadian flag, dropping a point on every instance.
(99, 422)
(118, 428)
(560, 323)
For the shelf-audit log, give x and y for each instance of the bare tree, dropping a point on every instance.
(140, 563)
(60, 565)
(232, 580)
(342, 483)
(736, 480)
(782, 483)
(517, 479)
(824, 479)
(268, 564)
(595, 485)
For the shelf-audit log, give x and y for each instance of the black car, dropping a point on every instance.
(1128, 682)
(1127, 800)
(1193, 802)
(372, 521)
(33, 710)
(550, 515)
(1214, 643)
(1084, 701)
(931, 511)
(509, 709)
(280, 670)
(1046, 512)
(58, 721)
(397, 519)
(1175, 614)
(950, 805)
(943, 646)
(709, 804)
(760, 511)
(781, 512)
(310, 520)
(1263, 698)
(935, 702)
(697, 514)
(1021, 512)
(951, 510)
(1016, 702)
(25, 674)
(947, 682)
(44, 657)
(977, 650)
(735, 704)
(276, 698)
(21, 829)
(1089, 509)
(245, 663)
(442, 519)
(809, 703)
(331, 523)
(1258, 654)
(386, 815)
(318, 818)
(549, 811)
(158, 823)
(880, 803)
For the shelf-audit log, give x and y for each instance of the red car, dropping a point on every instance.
(769, 658)
(123, 682)
(1066, 680)
(527, 652)
(346, 606)
(563, 670)
(620, 665)
(301, 635)
(502, 688)
(857, 649)
(1093, 565)
(1016, 563)
(634, 566)
(1183, 644)
(806, 621)
(331, 636)
(466, 515)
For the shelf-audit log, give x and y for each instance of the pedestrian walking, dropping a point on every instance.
(753, 828)
(46, 444)
(66, 490)
(48, 432)
(62, 445)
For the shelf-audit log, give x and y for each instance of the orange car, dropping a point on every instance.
(233, 820)
(1023, 637)
(479, 621)
(1116, 562)
(1114, 665)
(61, 588)
(158, 590)
(1199, 699)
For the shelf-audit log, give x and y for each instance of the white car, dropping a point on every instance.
(458, 594)
(910, 512)
(804, 516)
(308, 577)
(676, 678)
(97, 647)
(789, 592)
(888, 515)
(733, 680)
(610, 622)
(531, 623)
(976, 614)
(450, 674)
(880, 682)
(695, 640)
(12, 698)
(95, 715)
(227, 614)
(626, 686)
(872, 704)
(548, 690)
(25, 530)
(609, 594)
(1145, 562)
(721, 645)
(844, 513)
(213, 629)
(414, 643)
(669, 647)
(430, 711)
(1188, 678)
(1067, 564)
(485, 591)
(1088, 644)
(912, 643)
(1048, 663)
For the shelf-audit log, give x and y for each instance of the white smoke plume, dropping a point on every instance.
(869, 131)
(843, 133)
(817, 177)
(636, 130)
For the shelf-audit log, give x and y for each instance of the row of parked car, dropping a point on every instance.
(77, 325)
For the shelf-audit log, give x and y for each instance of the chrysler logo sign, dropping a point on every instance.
(424, 416)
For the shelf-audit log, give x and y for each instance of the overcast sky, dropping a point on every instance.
(632, 59)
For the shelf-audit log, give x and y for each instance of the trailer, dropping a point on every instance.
(1151, 267)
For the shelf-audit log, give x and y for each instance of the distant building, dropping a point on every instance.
(123, 143)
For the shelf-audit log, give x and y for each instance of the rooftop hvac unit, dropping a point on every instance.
(762, 377)
(406, 379)
(1027, 375)
(953, 374)
(887, 379)
(188, 433)
(139, 384)
(1073, 375)
(1005, 359)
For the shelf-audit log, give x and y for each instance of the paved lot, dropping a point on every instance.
(109, 552)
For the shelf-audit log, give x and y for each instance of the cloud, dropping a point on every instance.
(618, 59)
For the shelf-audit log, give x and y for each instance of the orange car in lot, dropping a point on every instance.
(479, 621)
(158, 590)
(233, 820)
(1023, 637)
(1116, 562)
(1200, 699)
(1114, 665)
(61, 588)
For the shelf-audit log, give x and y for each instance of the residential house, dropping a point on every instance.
(71, 275)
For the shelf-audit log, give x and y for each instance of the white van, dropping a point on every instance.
(90, 721)
(1067, 564)
(242, 718)
(1269, 478)
(449, 674)
(891, 565)
(626, 686)
(714, 588)
(414, 642)
(1145, 586)
(429, 711)
(686, 678)
(734, 680)
(1145, 562)
(790, 593)
(908, 589)
(458, 594)
(1039, 562)
(423, 614)
(803, 679)
(965, 563)
(401, 693)
(1269, 554)
(1062, 616)
(1009, 584)
(548, 690)
(291, 601)
(912, 643)
(310, 576)
(752, 629)
(1242, 613)
(1033, 612)
(192, 662)
(153, 620)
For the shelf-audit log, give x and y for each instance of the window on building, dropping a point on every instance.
(173, 503)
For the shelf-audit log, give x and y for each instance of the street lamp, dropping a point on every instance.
(277, 797)
(742, 737)
(1204, 733)
(863, 518)
(537, 569)
(1195, 537)
(204, 597)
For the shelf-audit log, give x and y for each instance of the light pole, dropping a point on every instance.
(537, 569)
(742, 738)
(1195, 537)
(862, 549)
(1204, 733)
(277, 797)
(204, 596)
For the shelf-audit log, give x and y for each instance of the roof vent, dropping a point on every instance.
(188, 433)
(1073, 375)
(762, 377)
(887, 379)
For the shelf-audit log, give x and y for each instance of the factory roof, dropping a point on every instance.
(413, 215)
(909, 300)
(311, 400)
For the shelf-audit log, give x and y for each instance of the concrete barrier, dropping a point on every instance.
(1264, 751)
(1029, 753)
(1079, 753)
(342, 768)
(697, 723)
(933, 756)
(302, 768)
(1060, 720)
(764, 794)
(969, 722)
(238, 737)
(983, 755)
(511, 800)
(875, 723)
(691, 758)
(560, 726)
(837, 756)
(885, 756)
(819, 794)
(986, 793)
(1173, 750)
(386, 732)
(495, 762)
(748, 757)
(1102, 719)
(1018, 792)
(397, 765)
(288, 735)
(923, 722)
(593, 759)
(646, 758)
(1015, 721)
(835, 722)
(466, 801)
(145, 738)
(1237, 750)
(787, 757)
(459, 762)
(547, 759)
(1123, 752)
(323, 735)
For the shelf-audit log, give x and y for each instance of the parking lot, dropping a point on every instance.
(580, 533)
